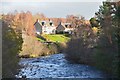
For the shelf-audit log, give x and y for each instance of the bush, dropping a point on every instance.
(61, 47)
(79, 48)
(67, 35)
(32, 47)
(106, 55)
(53, 48)
(75, 50)
(94, 50)
(41, 37)
(79, 53)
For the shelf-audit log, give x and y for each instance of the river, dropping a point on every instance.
(56, 66)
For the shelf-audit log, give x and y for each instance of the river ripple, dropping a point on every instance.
(56, 66)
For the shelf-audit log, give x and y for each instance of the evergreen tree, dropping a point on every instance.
(11, 45)
(108, 17)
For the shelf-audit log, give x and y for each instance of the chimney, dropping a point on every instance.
(37, 20)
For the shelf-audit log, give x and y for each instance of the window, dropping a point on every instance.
(43, 23)
(66, 25)
(50, 23)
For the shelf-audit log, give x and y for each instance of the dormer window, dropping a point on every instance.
(43, 23)
(66, 25)
(51, 23)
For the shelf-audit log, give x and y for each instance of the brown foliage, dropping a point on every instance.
(79, 48)
(74, 20)
(27, 23)
(21, 21)
(32, 47)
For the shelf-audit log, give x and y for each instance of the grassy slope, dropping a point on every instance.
(55, 38)
(59, 37)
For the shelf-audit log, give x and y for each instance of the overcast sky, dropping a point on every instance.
(52, 8)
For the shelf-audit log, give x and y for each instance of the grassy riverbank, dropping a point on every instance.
(43, 45)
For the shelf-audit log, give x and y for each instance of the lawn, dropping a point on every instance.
(56, 38)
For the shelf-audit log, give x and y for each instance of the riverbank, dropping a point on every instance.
(34, 47)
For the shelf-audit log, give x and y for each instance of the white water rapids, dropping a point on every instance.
(56, 66)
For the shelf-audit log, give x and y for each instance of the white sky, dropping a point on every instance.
(53, 8)
(52, 0)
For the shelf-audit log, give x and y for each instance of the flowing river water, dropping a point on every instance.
(56, 66)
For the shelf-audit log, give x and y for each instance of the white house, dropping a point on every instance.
(47, 27)
(44, 27)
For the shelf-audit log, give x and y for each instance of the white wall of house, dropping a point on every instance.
(48, 29)
(69, 30)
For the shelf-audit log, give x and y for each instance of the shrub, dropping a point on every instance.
(53, 48)
(79, 48)
(61, 47)
(106, 55)
(32, 47)
(94, 50)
